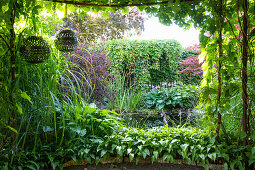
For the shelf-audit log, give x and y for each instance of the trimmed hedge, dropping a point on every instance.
(145, 62)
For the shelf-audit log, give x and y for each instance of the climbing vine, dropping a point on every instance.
(145, 62)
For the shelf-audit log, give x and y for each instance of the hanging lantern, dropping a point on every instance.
(35, 50)
(66, 41)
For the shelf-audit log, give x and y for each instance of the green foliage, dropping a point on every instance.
(189, 144)
(231, 105)
(145, 62)
(121, 98)
(172, 97)
(75, 127)
(38, 98)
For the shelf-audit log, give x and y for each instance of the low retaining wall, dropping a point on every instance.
(124, 163)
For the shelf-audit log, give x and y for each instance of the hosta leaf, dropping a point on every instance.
(149, 102)
(202, 156)
(103, 152)
(160, 106)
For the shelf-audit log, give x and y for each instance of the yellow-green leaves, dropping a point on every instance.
(19, 107)
(12, 129)
(124, 10)
(5, 8)
(106, 14)
(25, 96)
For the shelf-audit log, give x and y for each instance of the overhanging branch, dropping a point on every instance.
(114, 5)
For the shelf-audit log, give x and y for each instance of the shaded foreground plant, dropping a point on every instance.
(190, 144)
(41, 145)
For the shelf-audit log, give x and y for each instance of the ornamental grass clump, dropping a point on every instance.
(91, 64)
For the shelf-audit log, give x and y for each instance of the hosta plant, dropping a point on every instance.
(172, 97)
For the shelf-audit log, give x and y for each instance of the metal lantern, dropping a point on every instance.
(66, 41)
(35, 49)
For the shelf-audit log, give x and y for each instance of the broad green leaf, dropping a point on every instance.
(74, 158)
(160, 106)
(202, 156)
(146, 152)
(212, 156)
(184, 146)
(103, 152)
(89, 110)
(86, 150)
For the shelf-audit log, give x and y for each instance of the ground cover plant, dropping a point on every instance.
(46, 114)
(190, 144)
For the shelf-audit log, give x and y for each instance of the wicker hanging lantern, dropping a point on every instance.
(66, 41)
(35, 49)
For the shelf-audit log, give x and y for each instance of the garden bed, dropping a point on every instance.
(143, 164)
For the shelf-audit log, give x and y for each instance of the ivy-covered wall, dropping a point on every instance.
(145, 62)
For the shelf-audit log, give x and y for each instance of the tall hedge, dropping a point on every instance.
(145, 62)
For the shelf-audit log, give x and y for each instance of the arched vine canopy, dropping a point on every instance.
(227, 40)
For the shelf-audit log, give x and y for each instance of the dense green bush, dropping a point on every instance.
(145, 62)
(172, 97)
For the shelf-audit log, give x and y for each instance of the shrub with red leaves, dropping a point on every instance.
(192, 62)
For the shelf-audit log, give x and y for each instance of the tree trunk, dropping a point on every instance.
(219, 67)
(244, 76)
(244, 70)
(12, 72)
